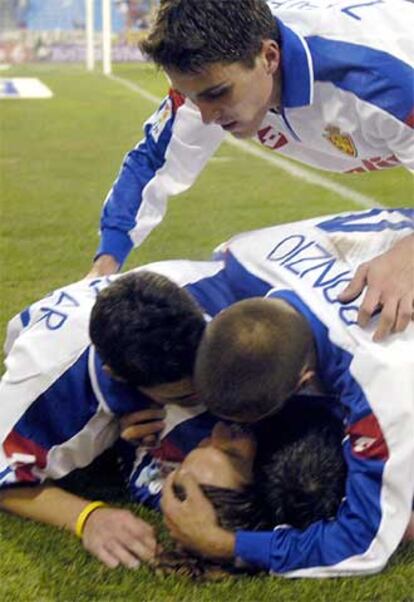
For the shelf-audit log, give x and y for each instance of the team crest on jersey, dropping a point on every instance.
(343, 142)
(160, 120)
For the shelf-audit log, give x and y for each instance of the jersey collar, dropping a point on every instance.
(296, 67)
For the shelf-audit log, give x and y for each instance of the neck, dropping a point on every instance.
(276, 99)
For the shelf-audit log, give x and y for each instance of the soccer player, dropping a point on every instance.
(308, 80)
(61, 397)
(288, 470)
(258, 352)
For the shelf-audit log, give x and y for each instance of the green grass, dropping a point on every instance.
(58, 159)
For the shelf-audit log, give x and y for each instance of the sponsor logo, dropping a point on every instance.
(269, 137)
(367, 439)
(161, 120)
(342, 142)
(376, 164)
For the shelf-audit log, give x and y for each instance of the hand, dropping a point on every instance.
(389, 279)
(192, 521)
(141, 428)
(116, 537)
(105, 265)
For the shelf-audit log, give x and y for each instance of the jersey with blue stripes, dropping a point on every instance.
(307, 264)
(347, 106)
(59, 409)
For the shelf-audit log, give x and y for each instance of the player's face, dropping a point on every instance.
(223, 460)
(233, 95)
(181, 392)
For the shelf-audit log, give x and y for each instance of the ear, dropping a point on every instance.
(271, 56)
(306, 376)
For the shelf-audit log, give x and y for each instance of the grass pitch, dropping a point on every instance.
(58, 159)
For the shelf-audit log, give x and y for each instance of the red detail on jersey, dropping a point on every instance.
(375, 164)
(168, 452)
(268, 137)
(410, 119)
(17, 444)
(367, 439)
(24, 474)
(176, 98)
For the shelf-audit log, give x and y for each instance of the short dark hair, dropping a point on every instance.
(299, 478)
(250, 359)
(237, 509)
(189, 34)
(146, 329)
(300, 469)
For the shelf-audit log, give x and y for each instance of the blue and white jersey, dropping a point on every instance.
(307, 264)
(347, 106)
(58, 408)
(146, 469)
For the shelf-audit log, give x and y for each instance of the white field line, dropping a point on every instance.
(291, 168)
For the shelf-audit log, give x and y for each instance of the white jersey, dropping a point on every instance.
(347, 106)
(307, 264)
(58, 408)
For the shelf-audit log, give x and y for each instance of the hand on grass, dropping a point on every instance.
(142, 428)
(192, 521)
(117, 537)
(389, 279)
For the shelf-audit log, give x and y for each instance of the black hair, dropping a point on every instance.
(299, 468)
(189, 34)
(146, 329)
(299, 478)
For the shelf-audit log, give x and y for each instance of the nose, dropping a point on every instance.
(209, 114)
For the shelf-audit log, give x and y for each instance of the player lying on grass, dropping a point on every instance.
(59, 406)
(258, 352)
(73, 405)
(288, 470)
(308, 81)
(61, 397)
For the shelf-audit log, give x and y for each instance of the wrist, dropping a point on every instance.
(105, 265)
(84, 515)
(222, 544)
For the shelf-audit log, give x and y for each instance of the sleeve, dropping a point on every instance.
(399, 136)
(379, 451)
(45, 394)
(175, 149)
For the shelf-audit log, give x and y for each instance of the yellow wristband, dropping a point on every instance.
(83, 517)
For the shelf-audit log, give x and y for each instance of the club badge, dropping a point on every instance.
(343, 142)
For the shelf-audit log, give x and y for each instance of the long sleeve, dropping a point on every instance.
(376, 385)
(175, 149)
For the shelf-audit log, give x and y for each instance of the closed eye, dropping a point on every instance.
(214, 94)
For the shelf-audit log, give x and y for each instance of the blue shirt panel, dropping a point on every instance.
(373, 76)
(62, 410)
(213, 293)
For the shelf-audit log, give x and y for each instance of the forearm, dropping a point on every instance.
(44, 503)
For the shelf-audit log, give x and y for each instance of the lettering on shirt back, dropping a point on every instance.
(308, 259)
